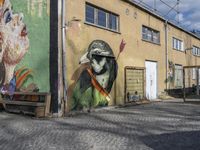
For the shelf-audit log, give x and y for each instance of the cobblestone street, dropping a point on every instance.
(157, 126)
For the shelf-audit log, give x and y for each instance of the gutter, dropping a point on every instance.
(166, 51)
(64, 68)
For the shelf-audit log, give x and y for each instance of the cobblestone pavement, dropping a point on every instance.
(157, 126)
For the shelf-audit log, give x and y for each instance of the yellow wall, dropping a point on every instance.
(80, 35)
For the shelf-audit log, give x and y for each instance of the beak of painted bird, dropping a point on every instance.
(84, 59)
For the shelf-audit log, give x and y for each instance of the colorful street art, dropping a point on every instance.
(20, 29)
(14, 41)
(96, 80)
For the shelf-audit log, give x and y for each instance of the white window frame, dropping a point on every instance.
(177, 44)
(196, 51)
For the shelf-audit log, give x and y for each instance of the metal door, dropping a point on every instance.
(151, 80)
(134, 83)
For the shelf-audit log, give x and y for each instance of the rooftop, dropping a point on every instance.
(160, 16)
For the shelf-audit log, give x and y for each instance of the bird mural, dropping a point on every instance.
(95, 82)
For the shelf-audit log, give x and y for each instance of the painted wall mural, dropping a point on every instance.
(14, 41)
(96, 79)
(24, 61)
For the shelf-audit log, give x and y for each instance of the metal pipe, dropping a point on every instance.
(166, 51)
(184, 92)
(64, 68)
(197, 80)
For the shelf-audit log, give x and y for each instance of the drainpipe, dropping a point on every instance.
(64, 68)
(166, 51)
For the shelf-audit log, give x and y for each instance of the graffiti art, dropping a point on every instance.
(95, 82)
(14, 42)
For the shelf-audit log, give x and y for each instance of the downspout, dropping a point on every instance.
(64, 68)
(166, 52)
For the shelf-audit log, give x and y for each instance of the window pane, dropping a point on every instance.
(155, 37)
(144, 36)
(113, 22)
(193, 50)
(174, 43)
(182, 47)
(149, 35)
(144, 30)
(101, 18)
(89, 14)
(144, 33)
(177, 44)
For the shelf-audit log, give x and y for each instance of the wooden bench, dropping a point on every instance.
(32, 103)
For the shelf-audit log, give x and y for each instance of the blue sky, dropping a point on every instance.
(189, 16)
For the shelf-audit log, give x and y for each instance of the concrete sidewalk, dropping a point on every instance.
(157, 126)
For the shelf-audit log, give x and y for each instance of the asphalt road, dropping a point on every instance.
(157, 126)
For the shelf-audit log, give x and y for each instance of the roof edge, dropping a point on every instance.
(160, 17)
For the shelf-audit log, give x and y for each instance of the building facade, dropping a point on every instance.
(90, 53)
(143, 48)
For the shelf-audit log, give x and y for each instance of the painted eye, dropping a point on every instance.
(8, 17)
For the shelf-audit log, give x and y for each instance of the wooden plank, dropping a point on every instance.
(47, 104)
(29, 93)
(12, 102)
(40, 112)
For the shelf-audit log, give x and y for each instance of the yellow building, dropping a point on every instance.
(118, 51)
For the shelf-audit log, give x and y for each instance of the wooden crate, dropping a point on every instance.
(20, 103)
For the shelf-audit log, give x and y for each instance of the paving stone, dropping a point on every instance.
(156, 126)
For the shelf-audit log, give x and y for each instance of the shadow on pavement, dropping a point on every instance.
(174, 141)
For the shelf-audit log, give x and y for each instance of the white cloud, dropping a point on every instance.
(189, 15)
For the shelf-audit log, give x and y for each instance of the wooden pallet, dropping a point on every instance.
(21, 102)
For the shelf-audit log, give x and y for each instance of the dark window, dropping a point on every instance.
(113, 22)
(150, 35)
(101, 18)
(89, 14)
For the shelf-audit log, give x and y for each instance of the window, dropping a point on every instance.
(89, 14)
(113, 19)
(193, 73)
(101, 18)
(150, 35)
(178, 44)
(178, 76)
(196, 71)
(196, 51)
